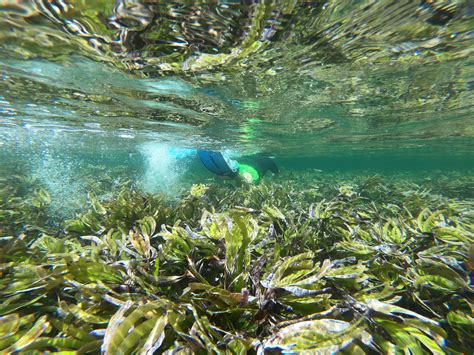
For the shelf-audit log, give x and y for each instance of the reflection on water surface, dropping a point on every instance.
(292, 77)
(115, 238)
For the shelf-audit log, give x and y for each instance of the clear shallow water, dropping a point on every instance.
(339, 85)
(367, 109)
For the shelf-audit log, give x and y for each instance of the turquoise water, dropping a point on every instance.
(116, 239)
(93, 87)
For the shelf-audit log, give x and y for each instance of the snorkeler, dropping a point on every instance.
(250, 170)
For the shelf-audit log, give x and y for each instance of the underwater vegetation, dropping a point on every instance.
(351, 265)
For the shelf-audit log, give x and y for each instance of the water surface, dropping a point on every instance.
(381, 86)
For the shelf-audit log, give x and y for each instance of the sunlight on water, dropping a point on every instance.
(287, 78)
(283, 176)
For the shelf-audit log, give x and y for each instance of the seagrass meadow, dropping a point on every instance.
(351, 122)
(316, 263)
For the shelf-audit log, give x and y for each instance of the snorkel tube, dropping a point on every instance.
(248, 174)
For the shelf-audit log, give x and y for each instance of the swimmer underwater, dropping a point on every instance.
(250, 170)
